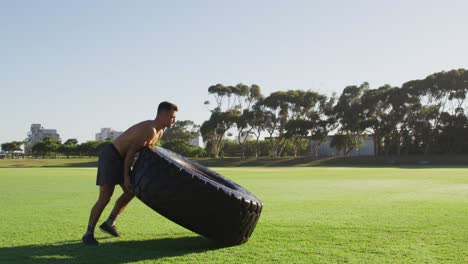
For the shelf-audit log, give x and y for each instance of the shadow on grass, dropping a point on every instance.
(111, 252)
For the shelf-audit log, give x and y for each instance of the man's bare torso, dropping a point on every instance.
(137, 137)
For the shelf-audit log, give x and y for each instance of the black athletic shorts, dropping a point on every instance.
(110, 166)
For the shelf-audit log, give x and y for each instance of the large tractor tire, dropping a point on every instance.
(194, 196)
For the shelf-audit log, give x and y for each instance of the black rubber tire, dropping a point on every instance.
(194, 196)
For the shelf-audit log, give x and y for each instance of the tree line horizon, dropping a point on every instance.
(423, 116)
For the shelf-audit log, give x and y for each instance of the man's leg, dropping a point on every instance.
(109, 225)
(105, 193)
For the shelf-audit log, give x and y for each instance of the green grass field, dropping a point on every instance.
(311, 215)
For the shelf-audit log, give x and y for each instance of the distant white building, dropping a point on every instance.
(198, 142)
(244, 137)
(107, 133)
(37, 133)
(367, 149)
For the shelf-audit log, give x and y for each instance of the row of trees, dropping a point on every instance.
(288, 118)
(176, 139)
(51, 147)
(11, 147)
(425, 116)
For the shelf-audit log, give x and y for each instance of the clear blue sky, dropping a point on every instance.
(77, 66)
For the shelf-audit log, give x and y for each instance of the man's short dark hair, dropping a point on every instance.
(166, 106)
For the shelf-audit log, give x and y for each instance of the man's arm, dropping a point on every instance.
(127, 163)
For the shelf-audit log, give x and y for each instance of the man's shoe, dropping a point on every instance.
(89, 240)
(106, 228)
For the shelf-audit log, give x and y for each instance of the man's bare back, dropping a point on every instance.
(143, 134)
(137, 137)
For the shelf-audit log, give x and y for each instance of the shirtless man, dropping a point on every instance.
(114, 164)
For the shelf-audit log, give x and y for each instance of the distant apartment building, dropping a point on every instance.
(107, 133)
(37, 134)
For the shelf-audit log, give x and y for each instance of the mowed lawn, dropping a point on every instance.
(310, 215)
